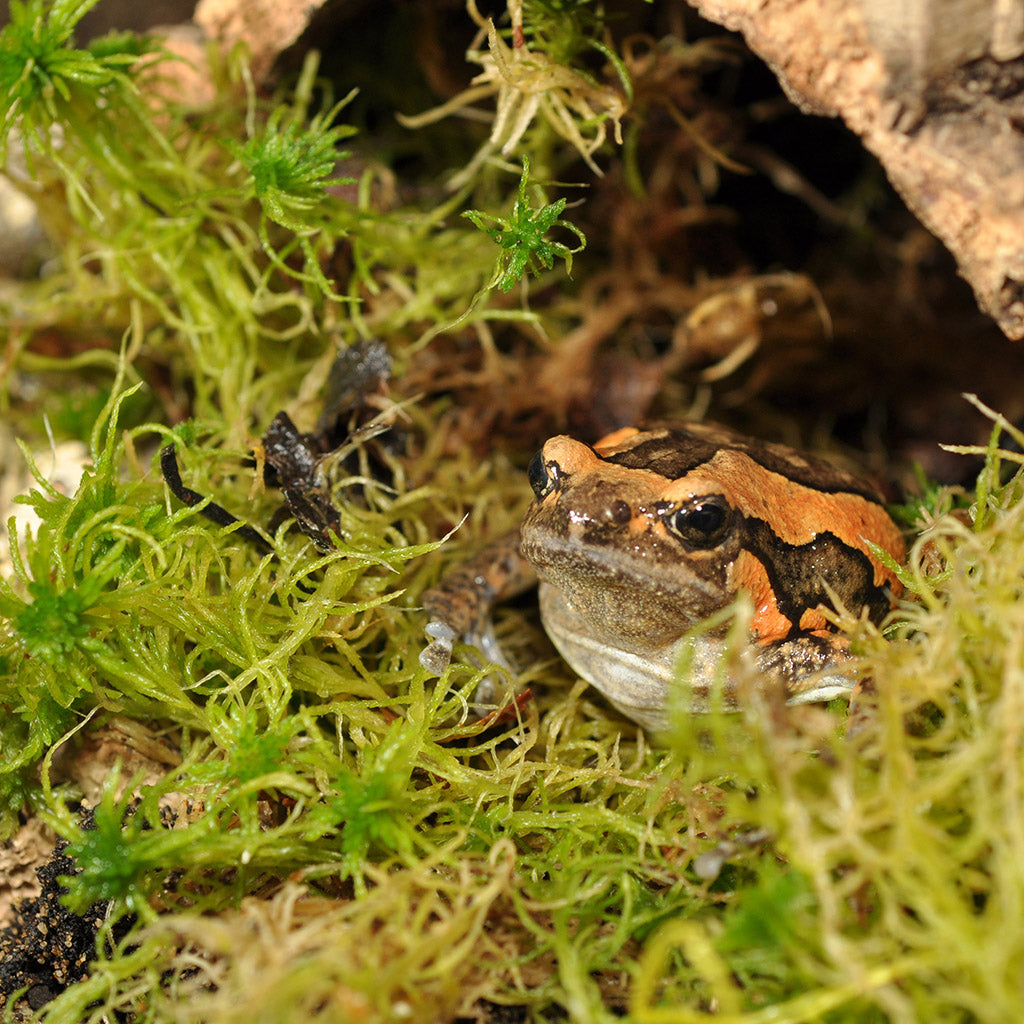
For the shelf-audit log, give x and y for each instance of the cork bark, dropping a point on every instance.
(267, 27)
(947, 123)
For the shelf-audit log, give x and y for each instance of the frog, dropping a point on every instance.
(641, 542)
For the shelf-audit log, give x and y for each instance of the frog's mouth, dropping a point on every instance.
(645, 594)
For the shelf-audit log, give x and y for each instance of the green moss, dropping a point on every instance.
(291, 165)
(328, 832)
(44, 79)
(521, 237)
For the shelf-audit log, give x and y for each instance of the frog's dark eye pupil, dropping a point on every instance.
(702, 523)
(540, 479)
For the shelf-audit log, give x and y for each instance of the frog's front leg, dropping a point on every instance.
(816, 666)
(460, 605)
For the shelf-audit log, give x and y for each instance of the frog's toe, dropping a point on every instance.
(492, 689)
(437, 655)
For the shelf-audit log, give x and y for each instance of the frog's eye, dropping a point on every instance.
(701, 523)
(542, 479)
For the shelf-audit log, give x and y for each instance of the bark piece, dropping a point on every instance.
(946, 121)
(268, 27)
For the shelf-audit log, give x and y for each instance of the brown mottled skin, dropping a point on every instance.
(641, 537)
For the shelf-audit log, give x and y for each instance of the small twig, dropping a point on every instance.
(211, 510)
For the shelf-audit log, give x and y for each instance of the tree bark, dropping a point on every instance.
(935, 89)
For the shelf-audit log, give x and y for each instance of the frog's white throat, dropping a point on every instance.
(640, 681)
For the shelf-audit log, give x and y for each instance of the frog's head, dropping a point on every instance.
(640, 555)
(652, 530)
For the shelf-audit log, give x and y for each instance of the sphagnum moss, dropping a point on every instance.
(360, 848)
(483, 869)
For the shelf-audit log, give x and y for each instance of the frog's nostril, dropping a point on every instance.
(618, 512)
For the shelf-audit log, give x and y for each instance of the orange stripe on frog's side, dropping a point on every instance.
(813, 622)
(748, 574)
(613, 440)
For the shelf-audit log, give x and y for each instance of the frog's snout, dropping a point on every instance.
(560, 458)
